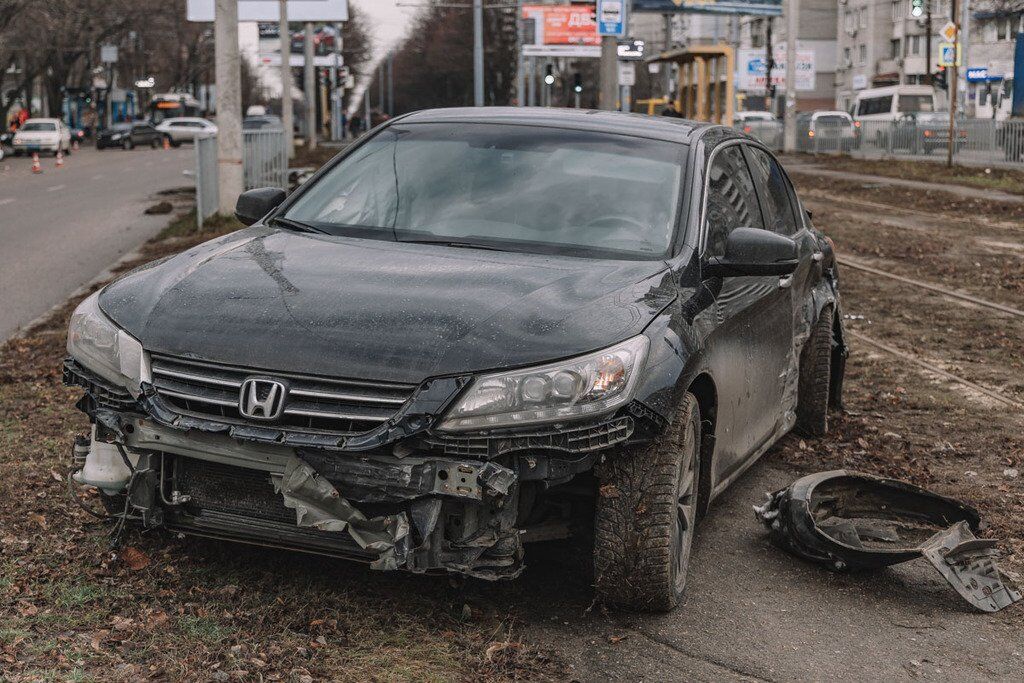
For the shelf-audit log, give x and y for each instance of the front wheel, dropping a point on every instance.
(646, 518)
(815, 378)
(127, 145)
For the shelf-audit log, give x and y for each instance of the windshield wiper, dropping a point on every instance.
(453, 243)
(298, 226)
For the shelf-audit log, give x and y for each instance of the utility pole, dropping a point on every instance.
(769, 60)
(391, 83)
(792, 29)
(609, 73)
(666, 73)
(337, 126)
(287, 116)
(478, 53)
(309, 85)
(965, 48)
(928, 44)
(953, 85)
(227, 67)
(531, 81)
(520, 70)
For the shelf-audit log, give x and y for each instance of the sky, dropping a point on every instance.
(389, 23)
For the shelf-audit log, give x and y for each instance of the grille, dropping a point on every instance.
(314, 404)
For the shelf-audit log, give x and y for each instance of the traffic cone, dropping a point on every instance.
(167, 143)
(36, 166)
(60, 159)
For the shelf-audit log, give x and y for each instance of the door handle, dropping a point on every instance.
(786, 282)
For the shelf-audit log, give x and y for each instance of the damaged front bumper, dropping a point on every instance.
(855, 521)
(418, 501)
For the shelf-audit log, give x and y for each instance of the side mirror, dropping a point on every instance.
(255, 204)
(754, 251)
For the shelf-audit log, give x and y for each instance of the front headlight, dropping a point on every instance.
(99, 345)
(589, 385)
(115, 136)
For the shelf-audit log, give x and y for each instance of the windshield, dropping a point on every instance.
(914, 103)
(519, 188)
(39, 125)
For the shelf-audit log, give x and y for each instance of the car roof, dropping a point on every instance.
(835, 112)
(666, 128)
(39, 119)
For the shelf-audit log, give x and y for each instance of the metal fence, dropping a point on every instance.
(265, 163)
(978, 141)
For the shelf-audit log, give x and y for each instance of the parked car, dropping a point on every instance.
(763, 125)
(924, 133)
(42, 135)
(186, 129)
(129, 135)
(267, 122)
(474, 328)
(890, 102)
(6, 138)
(827, 131)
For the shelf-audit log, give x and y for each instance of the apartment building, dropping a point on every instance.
(816, 38)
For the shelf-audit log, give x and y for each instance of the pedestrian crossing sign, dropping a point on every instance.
(949, 54)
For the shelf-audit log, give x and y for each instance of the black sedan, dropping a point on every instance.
(130, 135)
(475, 328)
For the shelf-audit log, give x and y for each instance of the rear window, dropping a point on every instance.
(39, 126)
(832, 121)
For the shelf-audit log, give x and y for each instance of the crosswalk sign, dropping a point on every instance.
(949, 54)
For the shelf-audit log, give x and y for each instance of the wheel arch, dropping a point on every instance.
(705, 391)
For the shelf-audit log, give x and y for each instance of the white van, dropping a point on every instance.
(892, 102)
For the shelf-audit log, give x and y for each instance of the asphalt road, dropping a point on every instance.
(752, 612)
(62, 228)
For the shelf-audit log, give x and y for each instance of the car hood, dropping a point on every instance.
(367, 309)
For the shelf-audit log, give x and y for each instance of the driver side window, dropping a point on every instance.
(732, 201)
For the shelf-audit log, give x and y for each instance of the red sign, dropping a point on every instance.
(564, 24)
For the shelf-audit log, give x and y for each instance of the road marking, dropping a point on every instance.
(55, 188)
(6, 201)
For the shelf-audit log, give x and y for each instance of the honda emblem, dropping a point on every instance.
(261, 398)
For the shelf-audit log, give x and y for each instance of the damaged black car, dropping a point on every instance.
(473, 329)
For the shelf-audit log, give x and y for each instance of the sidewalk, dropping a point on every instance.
(800, 166)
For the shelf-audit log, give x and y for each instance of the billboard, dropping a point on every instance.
(262, 10)
(562, 31)
(752, 69)
(771, 8)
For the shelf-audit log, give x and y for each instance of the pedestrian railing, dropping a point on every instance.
(265, 164)
(976, 141)
(207, 197)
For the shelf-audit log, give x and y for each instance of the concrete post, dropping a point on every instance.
(287, 115)
(609, 73)
(792, 31)
(309, 87)
(227, 69)
(478, 53)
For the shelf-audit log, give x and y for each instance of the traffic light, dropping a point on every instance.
(577, 83)
(916, 8)
(939, 79)
(549, 74)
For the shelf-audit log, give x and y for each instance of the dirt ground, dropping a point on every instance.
(165, 608)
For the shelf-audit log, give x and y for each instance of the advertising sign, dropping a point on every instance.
(261, 10)
(632, 50)
(627, 73)
(752, 69)
(769, 8)
(611, 17)
(561, 31)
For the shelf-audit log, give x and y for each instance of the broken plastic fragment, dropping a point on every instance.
(849, 520)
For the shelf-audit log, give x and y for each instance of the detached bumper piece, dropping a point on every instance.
(421, 515)
(849, 521)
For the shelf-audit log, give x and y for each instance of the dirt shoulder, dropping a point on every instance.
(166, 608)
(1001, 179)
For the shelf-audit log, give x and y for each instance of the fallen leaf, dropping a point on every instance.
(27, 609)
(608, 491)
(616, 639)
(135, 558)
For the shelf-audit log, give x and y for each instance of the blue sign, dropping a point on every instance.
(764, 8)
(980, 74)
(611, 17)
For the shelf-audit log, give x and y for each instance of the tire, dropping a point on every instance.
(154, 143)
(815, 378)
(646, 516)
(127, 145)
